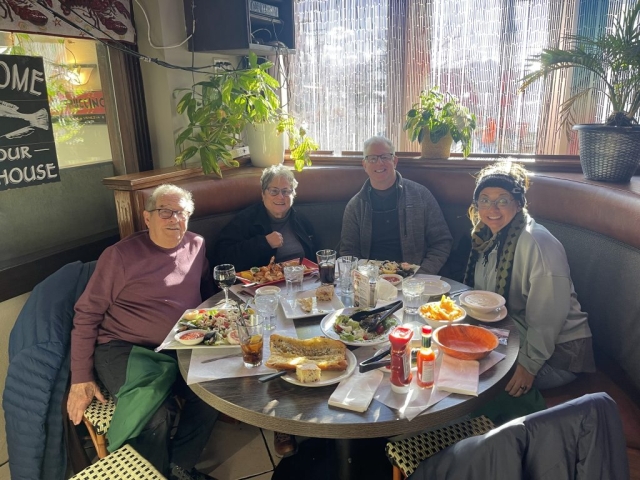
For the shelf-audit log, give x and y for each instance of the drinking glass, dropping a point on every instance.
(225, 276)
(266, 302)
(412, 289)
(251, 336)
(293, 275)
(327, 265)
(346, 265)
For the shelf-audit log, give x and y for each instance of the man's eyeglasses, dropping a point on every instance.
(385, 158)
(485, 203)
(166, 213)
(275, 191)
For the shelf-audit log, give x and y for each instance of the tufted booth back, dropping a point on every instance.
(599, 225)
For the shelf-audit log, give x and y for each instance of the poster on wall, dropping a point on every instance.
(27, 149)
(106, 19)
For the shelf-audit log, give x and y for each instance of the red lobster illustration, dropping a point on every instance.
(23, 9)
(103, 11)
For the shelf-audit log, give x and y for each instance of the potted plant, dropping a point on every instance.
(439, 119)
(220, 108)
(610, 151)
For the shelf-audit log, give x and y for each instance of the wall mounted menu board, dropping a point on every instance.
(27, 149)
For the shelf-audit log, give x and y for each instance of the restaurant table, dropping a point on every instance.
(283, 407)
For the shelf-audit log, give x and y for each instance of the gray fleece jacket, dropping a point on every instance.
(424, 234)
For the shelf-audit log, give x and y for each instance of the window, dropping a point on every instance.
(360, 65)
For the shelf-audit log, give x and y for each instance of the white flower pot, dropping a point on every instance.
(266, 147)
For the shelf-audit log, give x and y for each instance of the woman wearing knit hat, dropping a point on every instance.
(519, 259)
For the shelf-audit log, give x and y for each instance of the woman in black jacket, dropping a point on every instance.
(268, 229)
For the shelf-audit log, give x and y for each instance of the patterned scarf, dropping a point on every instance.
(483, 242)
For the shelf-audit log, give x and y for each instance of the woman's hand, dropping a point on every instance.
(80, 396)
(520, 383)
(275, 240)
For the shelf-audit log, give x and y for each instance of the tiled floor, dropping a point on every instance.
(239, 451)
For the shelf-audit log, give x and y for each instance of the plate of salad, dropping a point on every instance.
(339, 326)
(219, 325)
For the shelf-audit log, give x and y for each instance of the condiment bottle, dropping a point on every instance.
(400, 358)
(426, 360)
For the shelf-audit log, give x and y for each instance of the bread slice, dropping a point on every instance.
(324, 293)
(306, 304)
(287, 352)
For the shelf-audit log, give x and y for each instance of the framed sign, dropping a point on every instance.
(27, 149)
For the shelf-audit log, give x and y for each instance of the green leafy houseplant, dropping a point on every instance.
(440, 114)
(613, 58)
(218, 110)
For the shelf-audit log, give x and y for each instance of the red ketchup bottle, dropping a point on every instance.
(400, 359)
(426, 360)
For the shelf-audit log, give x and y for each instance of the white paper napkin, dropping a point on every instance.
(459, 376)
(356, 392)
(385, 290)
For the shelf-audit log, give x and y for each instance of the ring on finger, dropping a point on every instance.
(522, 387)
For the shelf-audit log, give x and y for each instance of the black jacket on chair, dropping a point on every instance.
(243, 244)
(581, 439)
(39, 352)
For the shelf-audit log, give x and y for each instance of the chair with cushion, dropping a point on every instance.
(97, 418)
(405, 455)
(123, 464)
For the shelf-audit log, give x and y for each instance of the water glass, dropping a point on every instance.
(346, 265)
(327, 265)
(266, 302)
(251, 336)
(293, 275)
(412, 289)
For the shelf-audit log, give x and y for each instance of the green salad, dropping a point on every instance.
(352, 331)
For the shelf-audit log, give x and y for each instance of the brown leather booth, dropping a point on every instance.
(598, 224)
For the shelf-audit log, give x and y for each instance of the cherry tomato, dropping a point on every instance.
(380, 329)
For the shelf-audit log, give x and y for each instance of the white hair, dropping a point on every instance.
(275, 171)
(376, 139)
(168, 189)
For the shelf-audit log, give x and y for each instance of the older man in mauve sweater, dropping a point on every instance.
(140, 287)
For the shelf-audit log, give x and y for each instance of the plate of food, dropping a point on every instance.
(339, 326)
(218, 327)
(319, 301)
(403, 269)
(314, 362)
(274, 272)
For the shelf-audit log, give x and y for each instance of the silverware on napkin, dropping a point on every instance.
(272, 376)
(239, 354)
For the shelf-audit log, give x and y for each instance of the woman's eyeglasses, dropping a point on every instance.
(485, 203)
(385, 157)
(166, 213)
(275, 191)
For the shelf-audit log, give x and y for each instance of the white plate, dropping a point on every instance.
(436, 287)
(327, 328)
(170, 342)
(481, 300)
(494, 316)
(328, 377)
(319, 308)
(364, 261)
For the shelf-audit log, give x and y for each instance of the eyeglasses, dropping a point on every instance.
(275, 191)
(166, 213)
(385, 157)
(501, 203)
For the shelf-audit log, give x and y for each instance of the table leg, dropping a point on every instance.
(344, 453)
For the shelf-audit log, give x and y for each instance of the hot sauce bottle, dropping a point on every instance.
(426, 360)
(400, 358)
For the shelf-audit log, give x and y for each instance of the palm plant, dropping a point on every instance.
(614, 59)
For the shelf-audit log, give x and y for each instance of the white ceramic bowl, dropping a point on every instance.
(481, 301)
(268, 289)
(436, 287)
(193, 341)
(440, 323)
(393, 278)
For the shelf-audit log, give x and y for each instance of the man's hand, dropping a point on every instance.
(275, 239)
(80, 396)
(520, 383)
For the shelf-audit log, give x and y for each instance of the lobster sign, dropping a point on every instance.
(107, 19)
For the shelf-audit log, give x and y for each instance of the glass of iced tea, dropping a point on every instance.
(251, 336)
(327, 266)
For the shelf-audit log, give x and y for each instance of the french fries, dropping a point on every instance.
(446, 309)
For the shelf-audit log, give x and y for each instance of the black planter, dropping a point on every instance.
(609, 154)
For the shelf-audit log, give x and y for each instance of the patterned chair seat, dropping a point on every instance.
(123, 464)
(97, 418)
(405, 455)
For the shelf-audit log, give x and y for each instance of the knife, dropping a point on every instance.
(272, 376)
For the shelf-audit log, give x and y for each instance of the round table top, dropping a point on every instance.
(280, 406)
